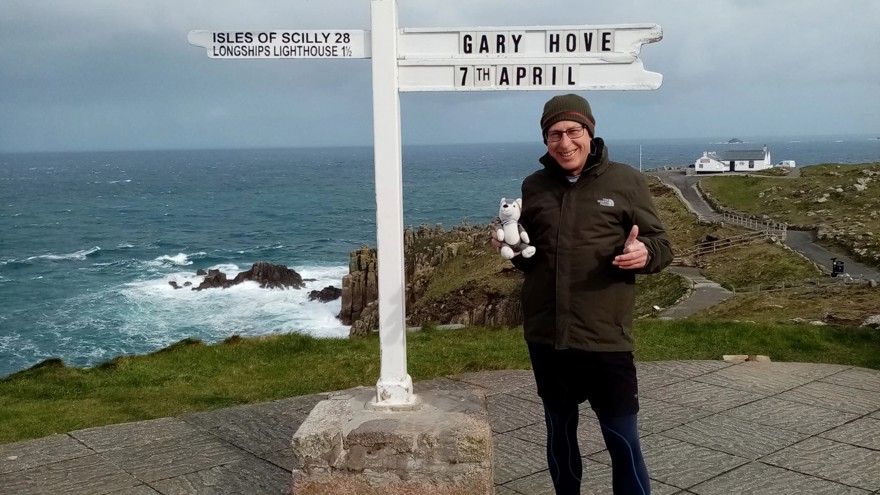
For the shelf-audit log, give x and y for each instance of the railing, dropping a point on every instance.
(708, 247)
(764, 229)
(811, 284)
(775, 228)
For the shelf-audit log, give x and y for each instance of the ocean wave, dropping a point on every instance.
(179, 259)
(78, 255)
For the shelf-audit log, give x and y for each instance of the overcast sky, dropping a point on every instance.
(120, 75)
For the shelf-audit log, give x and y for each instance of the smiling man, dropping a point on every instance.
(595, 227)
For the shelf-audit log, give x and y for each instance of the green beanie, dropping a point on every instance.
(567, 107)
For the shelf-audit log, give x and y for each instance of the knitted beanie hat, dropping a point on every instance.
(567, 107)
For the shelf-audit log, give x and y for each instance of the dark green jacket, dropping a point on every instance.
(572, 296)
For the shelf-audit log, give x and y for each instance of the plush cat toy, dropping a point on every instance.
(511, 232)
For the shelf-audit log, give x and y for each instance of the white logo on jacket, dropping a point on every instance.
(606, 202)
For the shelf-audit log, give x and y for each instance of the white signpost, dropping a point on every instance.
(468, 59)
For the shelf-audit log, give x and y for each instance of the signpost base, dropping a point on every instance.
(442, 445)
(395, 394)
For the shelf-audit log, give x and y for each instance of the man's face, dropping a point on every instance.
(570, 154)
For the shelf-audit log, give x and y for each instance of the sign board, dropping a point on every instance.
(526, 58)
(283, 44)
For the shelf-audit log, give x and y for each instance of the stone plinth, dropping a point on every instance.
(442, 446)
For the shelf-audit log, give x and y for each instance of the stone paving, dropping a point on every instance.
(708, 428)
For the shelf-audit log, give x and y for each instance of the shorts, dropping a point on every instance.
(571, 376)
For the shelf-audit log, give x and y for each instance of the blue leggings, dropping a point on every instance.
(621, 434)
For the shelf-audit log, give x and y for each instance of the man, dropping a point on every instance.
(595, 227)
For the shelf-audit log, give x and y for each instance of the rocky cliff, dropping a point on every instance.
(452, 276)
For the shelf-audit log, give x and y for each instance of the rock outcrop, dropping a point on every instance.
(453, 277)
(268, 275)
(326, 294)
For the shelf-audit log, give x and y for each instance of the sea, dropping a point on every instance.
(89, 241)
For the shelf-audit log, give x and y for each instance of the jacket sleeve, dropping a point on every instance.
(651, 231)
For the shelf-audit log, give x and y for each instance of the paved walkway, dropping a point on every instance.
(707, 427)
(704, 294)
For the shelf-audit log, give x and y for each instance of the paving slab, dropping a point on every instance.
(29, 454)
(735, 436)
(863, 432)
(760, 479)
(92, 474)
(860, 378)
(168, 458)
(248, 476)
(681, 464)
(835, 461)
(507, 413)
(515, 458)
(707, 428)
(802, 418)
(596, 480)
(700, 395)
(835, 396)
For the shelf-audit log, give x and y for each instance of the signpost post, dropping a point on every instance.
(468, 59)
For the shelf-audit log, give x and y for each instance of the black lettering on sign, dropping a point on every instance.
(571, 42)
(521, 74)
(587, 37)
(233, 37)
(585, 41)
(516, 38)
(503, 76)
(537, 75)
(571, 81)
(500, 40)
(484, 44)
(483, 76)
(607, 41)
(467, 43)
(464, 75)
(553, 43)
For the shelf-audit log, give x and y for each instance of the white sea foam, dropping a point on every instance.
(179, 259)
(79, 255)
(161, 314)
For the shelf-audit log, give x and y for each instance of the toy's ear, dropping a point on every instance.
(519, 203)
(503, 200)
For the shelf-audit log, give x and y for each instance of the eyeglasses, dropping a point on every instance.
(573, 133)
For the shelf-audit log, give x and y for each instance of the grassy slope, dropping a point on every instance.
(855, 214)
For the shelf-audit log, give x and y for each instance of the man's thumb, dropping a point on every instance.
(632, 235)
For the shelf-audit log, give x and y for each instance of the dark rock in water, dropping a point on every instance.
(271, 276)
(326, 294)
(213, 280)
(266, 274)
(201, 273)
(172, 283)
(213, 271)
(187, 284)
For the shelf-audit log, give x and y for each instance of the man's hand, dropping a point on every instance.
(635, 254)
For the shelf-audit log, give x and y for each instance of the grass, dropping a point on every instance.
(191, 376)
(757, 264)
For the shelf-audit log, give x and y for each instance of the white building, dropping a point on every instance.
(733, 161)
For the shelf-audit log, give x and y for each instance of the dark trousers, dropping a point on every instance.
(621, 434)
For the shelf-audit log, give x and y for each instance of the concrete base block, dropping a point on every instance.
(443, 445)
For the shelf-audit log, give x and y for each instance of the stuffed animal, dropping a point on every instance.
(511, 233)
